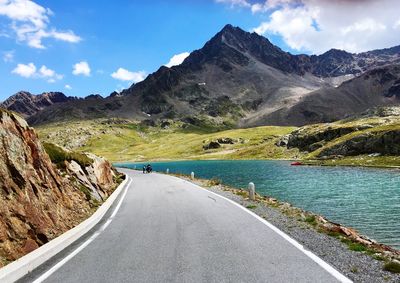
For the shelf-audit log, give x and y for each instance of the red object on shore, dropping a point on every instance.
(296, 163)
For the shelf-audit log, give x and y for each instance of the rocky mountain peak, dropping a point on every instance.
(28, 104)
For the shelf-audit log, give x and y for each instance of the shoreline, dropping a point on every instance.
(353, 254)
(305, 162)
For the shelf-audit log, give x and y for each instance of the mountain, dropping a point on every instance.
(29, 104)
(241, 79)
(377, 87)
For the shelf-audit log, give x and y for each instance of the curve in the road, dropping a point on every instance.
(165, 229)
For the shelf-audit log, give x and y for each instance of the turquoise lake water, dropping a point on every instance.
(363, 198)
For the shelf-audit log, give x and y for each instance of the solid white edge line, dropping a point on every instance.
(47, 274)
(330, 269)
(58, 265)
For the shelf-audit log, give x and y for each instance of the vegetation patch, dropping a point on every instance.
(392, 267)
(179, 141)
(357, 247)
(311, 219)
(251, 206)
(241, 193)
(58, 156)
(86, 191)
(214, 182)
(354, 269)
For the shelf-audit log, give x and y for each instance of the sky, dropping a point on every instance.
(89, 47)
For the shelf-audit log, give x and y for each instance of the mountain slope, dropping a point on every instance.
(29, 104)
(378, 87)
(241, 79)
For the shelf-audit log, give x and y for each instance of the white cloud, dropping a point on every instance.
(68, 86)
(25, 71)
(233, 3)
(396, 25)
(30, 23)
(46, 72)
(8, 56)
(81, 68)
(318, 25)
(30, 71)
(125, 75)
(177, 59)
(269, 5)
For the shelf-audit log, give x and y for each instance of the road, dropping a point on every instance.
(166, 229)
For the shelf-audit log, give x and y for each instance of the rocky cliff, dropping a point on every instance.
(40, 200)
(375, 133)
(28, 104)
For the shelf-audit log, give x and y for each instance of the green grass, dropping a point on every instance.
(242, 193)
(251, 206)
(354, 269)
(360, 160)
(134, 142)
(357, 247)
(214, 182)
(58, 155)
(392, 267)
(311, 220)
(86, 192)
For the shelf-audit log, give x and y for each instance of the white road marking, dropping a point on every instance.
(49, 272)
(330, 269)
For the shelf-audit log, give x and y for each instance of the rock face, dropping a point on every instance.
(384, 143)
(219, 142)
(241, 79)
(374, 133)
(36, 202)
(309, 139)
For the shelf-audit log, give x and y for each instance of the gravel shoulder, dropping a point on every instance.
(360, 266)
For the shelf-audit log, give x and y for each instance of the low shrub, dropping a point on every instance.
(58, 155)
(214, 182)
(311, 220)
(251, 206)
(242, 193)
(357, 247)
(392, 267)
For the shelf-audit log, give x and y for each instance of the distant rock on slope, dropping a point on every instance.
(28, 104)
(38, 201)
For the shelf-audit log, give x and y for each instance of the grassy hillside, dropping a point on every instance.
(122, 140)
(367, 141)
(372, 140)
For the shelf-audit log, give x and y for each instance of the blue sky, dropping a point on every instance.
(134, 35)
(137, 37)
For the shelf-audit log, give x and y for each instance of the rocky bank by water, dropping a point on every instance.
(42, 196)
(358, 257)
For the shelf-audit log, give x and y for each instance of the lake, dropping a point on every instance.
(363, 198)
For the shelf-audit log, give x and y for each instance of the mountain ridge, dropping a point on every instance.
(239, 79)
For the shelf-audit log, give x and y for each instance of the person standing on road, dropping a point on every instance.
(144, 169)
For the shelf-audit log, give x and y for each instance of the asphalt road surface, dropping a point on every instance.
(164, 229)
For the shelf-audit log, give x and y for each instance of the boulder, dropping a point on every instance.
(211, 145)
(226, 141)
